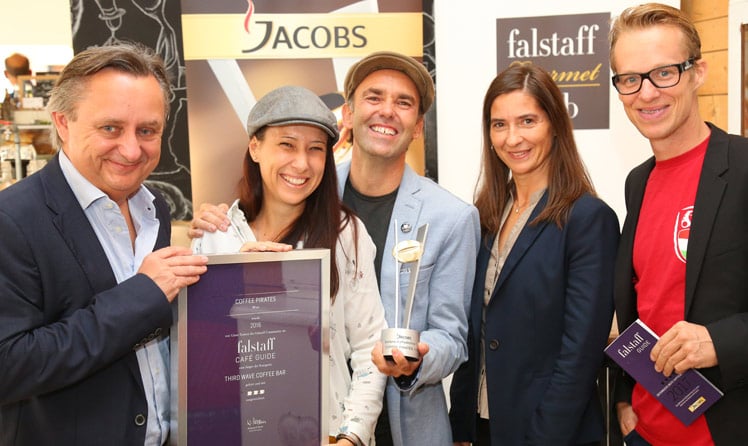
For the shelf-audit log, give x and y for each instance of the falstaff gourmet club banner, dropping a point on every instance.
(477, 39)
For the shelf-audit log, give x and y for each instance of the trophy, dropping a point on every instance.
(401, 336)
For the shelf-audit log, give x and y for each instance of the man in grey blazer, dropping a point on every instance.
(387, 95)
(683, 255)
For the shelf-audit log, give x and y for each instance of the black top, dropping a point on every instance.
(375, 213)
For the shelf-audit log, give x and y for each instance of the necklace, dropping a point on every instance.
(518, 207)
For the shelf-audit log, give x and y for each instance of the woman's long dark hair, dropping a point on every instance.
(315, 226)
(568, 178)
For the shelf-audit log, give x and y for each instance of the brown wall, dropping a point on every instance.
(710, 17)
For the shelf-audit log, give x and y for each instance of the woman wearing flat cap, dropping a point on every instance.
(288, 197)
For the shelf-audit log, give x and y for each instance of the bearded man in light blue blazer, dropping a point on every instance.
(387, 95)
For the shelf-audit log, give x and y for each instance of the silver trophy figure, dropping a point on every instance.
(401, 336)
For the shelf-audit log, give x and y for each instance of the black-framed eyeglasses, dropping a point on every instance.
(661, 77)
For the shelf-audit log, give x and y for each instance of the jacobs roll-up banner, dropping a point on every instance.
(238, 50)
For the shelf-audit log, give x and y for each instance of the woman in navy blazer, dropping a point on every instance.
(542, 300)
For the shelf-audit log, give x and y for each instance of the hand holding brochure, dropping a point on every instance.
(687, 395)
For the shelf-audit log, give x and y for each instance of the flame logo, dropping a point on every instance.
(250, 10)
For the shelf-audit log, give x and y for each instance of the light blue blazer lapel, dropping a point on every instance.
(406, 211)
(524, 241)
(343, 170)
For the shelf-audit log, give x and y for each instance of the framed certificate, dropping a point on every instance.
(249, 351)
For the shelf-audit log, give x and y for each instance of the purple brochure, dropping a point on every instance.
(249, 351)
(687, 395)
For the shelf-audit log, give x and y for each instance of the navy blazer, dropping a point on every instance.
(68, 371)
(547, 324)
(716, 276)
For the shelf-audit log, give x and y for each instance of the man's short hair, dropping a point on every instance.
(655, 14)
(126, 57)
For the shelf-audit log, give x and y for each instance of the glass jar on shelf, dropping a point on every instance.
(6, 113)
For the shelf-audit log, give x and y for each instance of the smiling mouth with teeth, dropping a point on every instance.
(650, 111)
(383, 130)
(295, 181)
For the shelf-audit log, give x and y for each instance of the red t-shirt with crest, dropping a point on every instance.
(660, 253)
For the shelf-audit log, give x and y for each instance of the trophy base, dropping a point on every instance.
(403, 339)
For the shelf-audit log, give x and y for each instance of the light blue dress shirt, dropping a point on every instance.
(111, 229)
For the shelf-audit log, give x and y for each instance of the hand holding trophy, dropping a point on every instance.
(401, 336)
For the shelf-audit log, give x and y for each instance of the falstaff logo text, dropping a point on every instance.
(573, 49)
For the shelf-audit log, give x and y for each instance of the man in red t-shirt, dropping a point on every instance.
(683, 259)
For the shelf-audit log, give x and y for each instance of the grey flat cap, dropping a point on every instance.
(292, 105)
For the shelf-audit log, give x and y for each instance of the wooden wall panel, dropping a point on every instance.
(713, 108)
(713, 34)
(710, 18)
(716, 77)
(704, 9)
